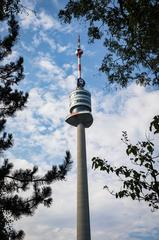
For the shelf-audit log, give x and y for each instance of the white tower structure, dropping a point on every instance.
(80, 116)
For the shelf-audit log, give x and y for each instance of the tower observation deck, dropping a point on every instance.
(80, 116)
(80, 100)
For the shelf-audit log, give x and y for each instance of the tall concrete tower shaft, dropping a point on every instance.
(80, 116)
(83, 218)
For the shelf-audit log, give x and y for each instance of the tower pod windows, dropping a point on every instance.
(80, 98)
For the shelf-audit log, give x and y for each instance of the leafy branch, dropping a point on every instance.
(142, 183)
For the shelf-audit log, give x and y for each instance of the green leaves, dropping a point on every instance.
(13, 183)
(94, 33)
(141, 182)
(98, 163)
(129, 30)
(132, 150)
(154, 125)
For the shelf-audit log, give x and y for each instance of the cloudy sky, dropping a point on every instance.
(42, 136)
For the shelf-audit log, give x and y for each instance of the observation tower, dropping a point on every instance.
(80, 116)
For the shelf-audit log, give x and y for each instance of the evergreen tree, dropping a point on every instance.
(15, 184)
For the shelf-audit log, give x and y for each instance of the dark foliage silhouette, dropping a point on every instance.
(21, 191)
(130, 34)
(141, 182)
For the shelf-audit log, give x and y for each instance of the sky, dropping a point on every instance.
(41, 135)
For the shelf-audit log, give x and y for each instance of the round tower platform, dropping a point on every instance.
(84, 117)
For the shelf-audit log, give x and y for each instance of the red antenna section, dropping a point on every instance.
(79, 53)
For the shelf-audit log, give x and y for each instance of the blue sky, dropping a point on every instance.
(42, 136)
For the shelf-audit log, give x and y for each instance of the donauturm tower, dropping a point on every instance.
(80, 116)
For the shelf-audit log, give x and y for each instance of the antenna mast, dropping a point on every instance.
(79, 52)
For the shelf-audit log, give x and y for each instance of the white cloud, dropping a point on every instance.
(48, 22)
(129, 110)
(26, 47)
(38, 20)
(46, 63)
(42, 20)
(63, 48)
(50, 71)
(56, 3)
(41, 37)
(11, 58)
(27, 20)
(41, 129)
